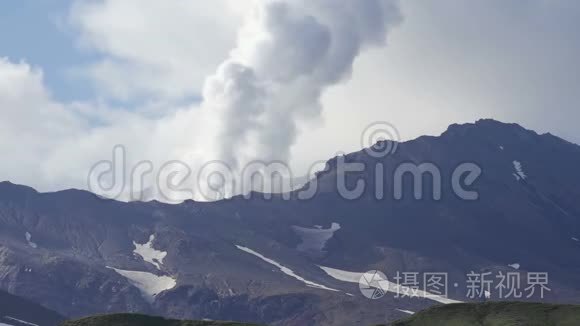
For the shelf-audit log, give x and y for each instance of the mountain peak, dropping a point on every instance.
(7, 186)
(489, 129)
(487, 124)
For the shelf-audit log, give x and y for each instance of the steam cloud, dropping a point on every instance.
(288, 52)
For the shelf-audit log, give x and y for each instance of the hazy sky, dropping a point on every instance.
(298, 82)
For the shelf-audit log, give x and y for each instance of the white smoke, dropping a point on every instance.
(288, 52)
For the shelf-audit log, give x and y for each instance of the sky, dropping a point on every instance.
(243, 80)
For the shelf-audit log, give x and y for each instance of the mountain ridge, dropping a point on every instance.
(452, 130)
(74, 247)
(18, 312)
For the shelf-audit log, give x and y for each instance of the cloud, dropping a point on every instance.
(32, 124)
(52, 145)
(448, 62)
(288, 53)
(155, 49)
(453, 61)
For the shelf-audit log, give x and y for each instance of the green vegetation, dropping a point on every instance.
(463, 314)
(141, 320)
(496, 314)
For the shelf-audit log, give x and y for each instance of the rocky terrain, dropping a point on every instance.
(299, 262)
(15, 311)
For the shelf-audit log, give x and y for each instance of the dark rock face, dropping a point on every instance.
(59, 249)
(17, 311)
(203, 303)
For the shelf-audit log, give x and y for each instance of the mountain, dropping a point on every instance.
(141, 320)
(500, 313)
(16, 311)
(299, 261)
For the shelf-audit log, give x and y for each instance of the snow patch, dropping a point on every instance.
(29, 240)
(150, 285)
(345, 276)
(286, 270)
(520, 174)
(354, 277)
(314, 239)
(19, 321)
(149, 254)
(515, 266)
(409, 312)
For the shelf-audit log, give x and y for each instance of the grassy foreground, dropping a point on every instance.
(496, 314)
(141, 320)
(463, 314)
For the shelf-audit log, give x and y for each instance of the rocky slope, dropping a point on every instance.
(16, 311)
(298, 262)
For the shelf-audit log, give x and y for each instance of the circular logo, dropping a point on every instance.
(373, 284)
(380, 139)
